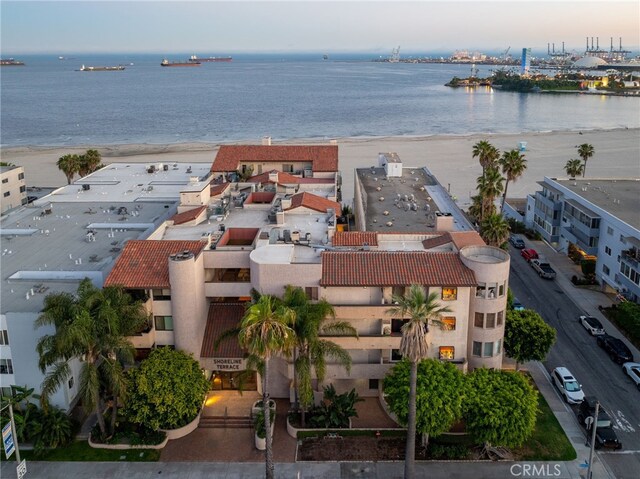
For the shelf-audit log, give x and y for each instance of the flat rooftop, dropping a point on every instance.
(50, 249)
(407, 203)
(619, 197)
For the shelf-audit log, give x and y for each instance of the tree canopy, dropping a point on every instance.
(500, 407)
(527, 337)
(440, 390)
(166, 391)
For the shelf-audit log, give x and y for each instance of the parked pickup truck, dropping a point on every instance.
(543, 268)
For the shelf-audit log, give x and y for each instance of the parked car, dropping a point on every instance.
(516, 241)
(605, 435)
(633, 371)
(568, 385)
(592, 325)
(529, 254)
(615, 348)
(543, 268)
(517, 305)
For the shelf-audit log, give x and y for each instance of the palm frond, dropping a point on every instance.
(54, 378)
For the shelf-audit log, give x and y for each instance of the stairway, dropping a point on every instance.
(220, 422)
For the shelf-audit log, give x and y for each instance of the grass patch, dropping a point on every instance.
(548, 442)
(81, 451)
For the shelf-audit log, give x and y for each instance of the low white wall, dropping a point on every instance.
(184, 430)
(121, 447)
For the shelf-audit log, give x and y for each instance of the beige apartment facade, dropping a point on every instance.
(13, 187)
(198, 270)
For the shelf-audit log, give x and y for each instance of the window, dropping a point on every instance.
(163, 323)
(161, 294)
(447, 352)
(7, 193)
(498, 347)
(610, 230)
(6, 366)
(312, 293)
(607, 250)
(478, 322)
(491, 290)
(4, 337)
(491, 320)
(605, 269)
(449, 293)
(622, 240)
(70, 382)
(481, 290)
(287, 168)
(501, 289)
(395, 355)
(5, 180)
(23, 189)
(374, 383)
(449, 323)
(477, 348)
(499, 318)
(487, 351)
(396, 325)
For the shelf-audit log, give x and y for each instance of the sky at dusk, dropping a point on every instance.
(220, 27)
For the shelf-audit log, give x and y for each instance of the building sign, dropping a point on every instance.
(228, 364)
(21, 470)
(7, 440)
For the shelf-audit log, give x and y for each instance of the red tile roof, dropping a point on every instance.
(394, 268)
(322, 157)
(355, 238)
(440, 240)
(288, 179)
(219, 189)
(144, 264)
(222, 317)
(466, 238)
(187, 216)
(313, 202)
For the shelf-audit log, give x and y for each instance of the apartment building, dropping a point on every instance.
(199, 268)
(13, 188)
(598, 216)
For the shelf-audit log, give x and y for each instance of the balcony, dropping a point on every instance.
(631, 256)
(367, 342)
(144, 340)
(358, 371)
(235, 289)
(362, 312)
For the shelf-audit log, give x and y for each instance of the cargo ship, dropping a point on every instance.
(195, 59)
(101, 69)
(167, 63)
(11, 62)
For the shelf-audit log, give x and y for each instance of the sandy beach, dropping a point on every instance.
(617, 155)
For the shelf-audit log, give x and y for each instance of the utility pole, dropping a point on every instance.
(594, 426)
(13, 430)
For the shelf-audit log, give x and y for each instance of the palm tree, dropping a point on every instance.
(574, 168)
(585, 151)
(311, 351)
(68, 164)
(494, 230)
(93, 324)
(89, 162)
(475, 209)
(265, 330)
(489, 187)
(486, 153)
(421, 311)
(513, 165)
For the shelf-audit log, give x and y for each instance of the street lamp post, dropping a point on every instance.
(594, 426)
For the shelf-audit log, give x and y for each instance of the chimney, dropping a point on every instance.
(444, 222)
(266, 141)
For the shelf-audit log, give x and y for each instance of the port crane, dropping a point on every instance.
(505, 54)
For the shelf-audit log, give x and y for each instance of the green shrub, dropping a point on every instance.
(336, 409)
(258, 422)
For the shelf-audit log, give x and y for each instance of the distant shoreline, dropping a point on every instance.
(448, 157)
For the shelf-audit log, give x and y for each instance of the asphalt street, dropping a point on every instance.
(577, 350)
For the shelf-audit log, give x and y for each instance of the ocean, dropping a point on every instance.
(48, 103)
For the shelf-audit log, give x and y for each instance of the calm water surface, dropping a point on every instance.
(48, 103)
